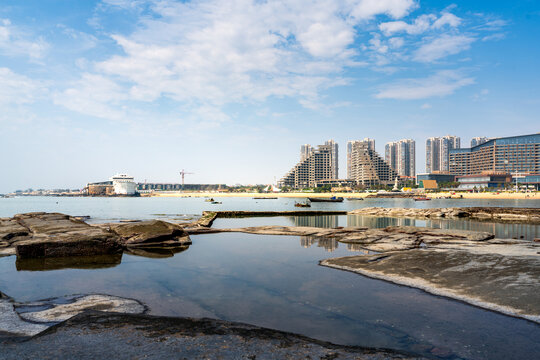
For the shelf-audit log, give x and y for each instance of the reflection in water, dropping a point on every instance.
(377, 222)
(501, 230)
(75, 262)
(328, 244)
(322, 221)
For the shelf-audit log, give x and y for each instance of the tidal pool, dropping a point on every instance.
(276, 282)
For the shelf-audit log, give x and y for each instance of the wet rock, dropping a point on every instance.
(497, 214)
(504, 283)
(93, 335)
(9, 229)
(28, 319)
(151, 234)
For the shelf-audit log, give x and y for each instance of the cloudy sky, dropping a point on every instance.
(229, 90)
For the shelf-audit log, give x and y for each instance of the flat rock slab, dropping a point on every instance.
(508, 284)
(150, 233)
(30, 318)
(92, 335)
(494, 214)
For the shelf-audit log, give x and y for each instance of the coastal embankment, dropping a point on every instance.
(434, 195)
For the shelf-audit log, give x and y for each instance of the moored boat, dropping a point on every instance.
(306, 204)
(331, 199)
(421, 198)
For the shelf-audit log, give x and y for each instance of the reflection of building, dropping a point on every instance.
(357, 247)
(320, 221)
(335, 158)
(401, 157)
(371, 145)
(437, 150)
(326, 243)
(316, 166)
(123, 184)
(377, 222)
(502, 155)
(367, 167)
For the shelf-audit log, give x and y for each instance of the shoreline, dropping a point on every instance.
(472, 196)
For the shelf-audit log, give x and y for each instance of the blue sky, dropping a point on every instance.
(230, 90)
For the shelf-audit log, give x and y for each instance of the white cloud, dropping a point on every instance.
(18, 89)
(426, 106)
(443, 46)
(421, 24)
(447, 19)
(215, 52)
(13, 42)
(442, 83)
(92, 95)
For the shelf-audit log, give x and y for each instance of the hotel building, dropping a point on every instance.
(508, 155)
(335, 158)
(317, 165)
(371, 145)
(367, 167)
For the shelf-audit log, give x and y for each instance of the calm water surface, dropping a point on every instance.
(276, 282)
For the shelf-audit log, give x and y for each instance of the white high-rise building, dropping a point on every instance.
(335, 158)
(475, 141)
(305, 151)
(401, 156)
(368, 168)
(437, 150)
(317, 166)
(370, 143)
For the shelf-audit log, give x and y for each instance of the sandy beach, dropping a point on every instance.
(486, 195)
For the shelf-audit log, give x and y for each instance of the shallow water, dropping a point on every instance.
(275, 281)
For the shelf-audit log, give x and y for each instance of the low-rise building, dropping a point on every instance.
(484, 180)
(439, 177)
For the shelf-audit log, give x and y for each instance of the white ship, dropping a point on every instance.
(124, 184)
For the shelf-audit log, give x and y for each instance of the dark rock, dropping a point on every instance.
(151, 234)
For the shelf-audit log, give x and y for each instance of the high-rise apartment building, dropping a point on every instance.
(367, 167)
(335, 158)
(371, 145)
(305, 151)
(437, 150)
(502, 155)
(478, 141)
(401, 157)
(316, 166)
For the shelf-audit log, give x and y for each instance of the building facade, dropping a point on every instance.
(335, 158)
(368, 168)
(478, 141)
(437, 152)
(124, 184)
(509, 155)
(401, 157)
(305, 151)
(317, 166)
(368, 141)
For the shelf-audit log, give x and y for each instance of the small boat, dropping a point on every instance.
(216, 202)
(355, 199)
(265, 198)
(421, 199)
(306, 204)
(210, 200)
(332, 199)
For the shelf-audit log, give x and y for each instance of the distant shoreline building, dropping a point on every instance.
(335, 158)
(507, 155)
(401, 157)
(371, 145)
(478, 141)
(437, 152)
(368, 168)
(316, 166)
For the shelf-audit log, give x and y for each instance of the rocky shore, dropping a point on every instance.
(54, 235)
(493, 214)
